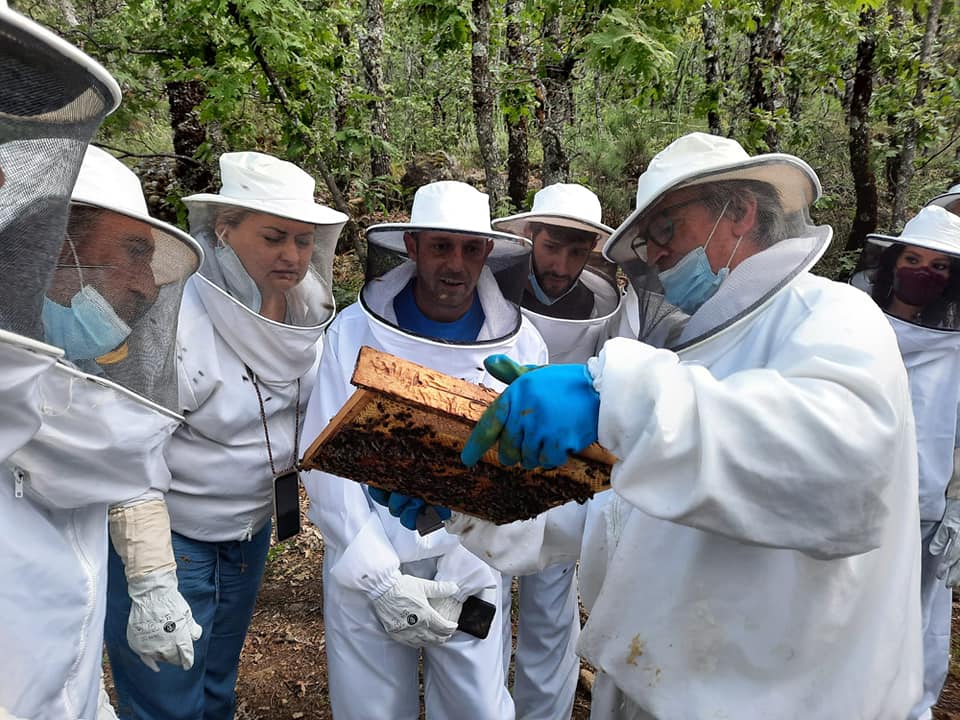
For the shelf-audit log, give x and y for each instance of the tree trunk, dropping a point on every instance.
(371, 52)
(341, 113)
(858, 124)
(484, 101)
(188, 133)
(908, 148)
(555, 74)
(518, 161)
(711, 43)
(765, 77)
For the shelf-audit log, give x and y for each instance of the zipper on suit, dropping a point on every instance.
(18, 476)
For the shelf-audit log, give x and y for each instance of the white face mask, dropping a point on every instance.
(235, 276)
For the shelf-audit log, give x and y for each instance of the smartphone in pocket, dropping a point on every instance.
(476, 615)
(286, 504)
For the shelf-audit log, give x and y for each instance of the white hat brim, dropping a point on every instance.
(928, 243)
(517, 224)
(946, 199)
(312, 213)
(786, 173)
(158, 226)
(71, 53)
(390, 236)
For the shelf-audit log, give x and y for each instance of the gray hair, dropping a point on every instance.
(771, 225)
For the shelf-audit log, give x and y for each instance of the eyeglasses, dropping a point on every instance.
(659, 230)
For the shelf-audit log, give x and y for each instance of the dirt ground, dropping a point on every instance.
(283, 669)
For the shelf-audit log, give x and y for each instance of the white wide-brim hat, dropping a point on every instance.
(700, 158)
(452, 207)
(61, 47)
(263, 183)
(948, 198)
(561, 204)
(933, 228)
(107, 184)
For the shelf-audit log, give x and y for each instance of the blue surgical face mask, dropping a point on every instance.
(238, 281)
(87, 329)
(691, 282)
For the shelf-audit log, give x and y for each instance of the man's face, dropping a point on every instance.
(680, 223)
(448, 269)
(556, 264)
(114, 255)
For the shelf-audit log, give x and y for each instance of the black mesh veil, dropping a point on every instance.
(51, 104)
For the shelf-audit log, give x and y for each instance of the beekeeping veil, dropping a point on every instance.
(920, 268)
(563, 206)
(113, 300)
(257, 183)
(52, 100)
(454, 209)
(783, 187)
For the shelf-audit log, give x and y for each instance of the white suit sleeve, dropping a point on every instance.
(364, 557)
(796, 454)
(526, 546)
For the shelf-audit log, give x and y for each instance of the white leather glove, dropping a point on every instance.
(448, 607)
(161, 626)
(406, 614)
(946, 544)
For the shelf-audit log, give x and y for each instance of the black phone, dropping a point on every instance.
(476, 615)
(286, 504)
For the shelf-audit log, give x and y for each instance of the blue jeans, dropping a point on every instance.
(220, 582)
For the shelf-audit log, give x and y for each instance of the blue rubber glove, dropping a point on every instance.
(404, 507)
(544, 415)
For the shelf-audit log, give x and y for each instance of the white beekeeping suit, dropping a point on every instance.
(366, 550)
(248, 343)
(915, 279)
(221, 336)
(100, 439)
(759, 555)
(546, 665)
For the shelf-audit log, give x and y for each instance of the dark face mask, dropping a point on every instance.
(918, 286)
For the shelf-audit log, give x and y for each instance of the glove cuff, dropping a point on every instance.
(141, 536)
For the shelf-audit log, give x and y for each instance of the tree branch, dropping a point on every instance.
(127, 153)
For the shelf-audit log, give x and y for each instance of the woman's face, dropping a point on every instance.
(275, 251)
(918, 257)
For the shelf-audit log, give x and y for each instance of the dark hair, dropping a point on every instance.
(564, 234)
(944, 311)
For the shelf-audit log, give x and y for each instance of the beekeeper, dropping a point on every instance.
(570, 297)
(769, 454)
(247, 348)
(949, 200)
(915, 279)
(440, 291)
(102, 433)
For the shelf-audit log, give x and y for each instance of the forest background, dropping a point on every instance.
(375, 97)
